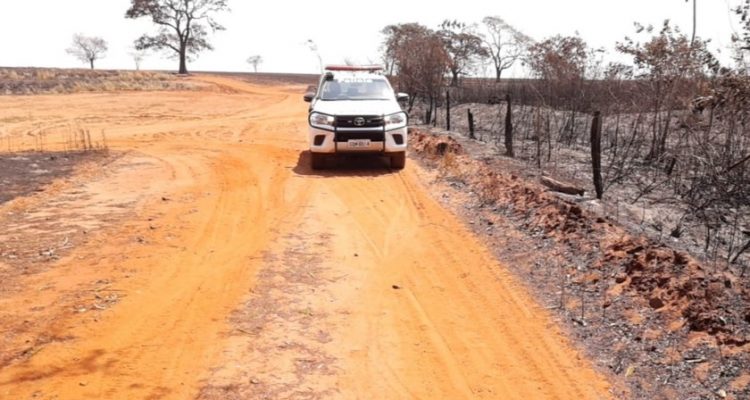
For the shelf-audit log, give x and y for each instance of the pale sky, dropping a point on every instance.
(36, 33)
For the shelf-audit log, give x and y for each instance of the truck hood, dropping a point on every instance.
(357, 107)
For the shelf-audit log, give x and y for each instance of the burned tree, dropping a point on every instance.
(182, 25)
(88, 49)
(463, 47)
(560, 62)
(596, 153)
(671, 71)
(417, 56)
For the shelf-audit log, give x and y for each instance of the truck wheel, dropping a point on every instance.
(318, 160)
(398, 160)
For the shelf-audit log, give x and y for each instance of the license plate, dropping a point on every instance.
(358, 143)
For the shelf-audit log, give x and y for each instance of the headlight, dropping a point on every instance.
(321, 121)
(395, 121)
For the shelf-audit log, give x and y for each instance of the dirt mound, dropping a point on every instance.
(645, 291)
(709, 301)
(434, 145)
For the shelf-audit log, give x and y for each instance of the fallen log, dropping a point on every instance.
(562, 187)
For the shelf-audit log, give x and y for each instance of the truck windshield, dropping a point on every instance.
(356, 89)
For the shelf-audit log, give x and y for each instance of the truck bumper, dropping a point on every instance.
(324, 141)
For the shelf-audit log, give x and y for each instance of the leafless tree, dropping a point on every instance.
(504, 43)
(672, 69)
(463, 46)
(255, 61)
(87, 49)
(138, 56)
(182, 25)
(314, 49)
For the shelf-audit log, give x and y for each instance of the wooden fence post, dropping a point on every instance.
(508, 129)
(471, 125)
(596, 153)
(447, 110)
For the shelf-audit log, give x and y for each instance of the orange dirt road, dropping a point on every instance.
(238, 272)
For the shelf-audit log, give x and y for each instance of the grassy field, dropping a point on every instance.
(29, 81)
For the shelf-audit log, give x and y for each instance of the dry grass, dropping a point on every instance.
(70, 136)
(30, 81)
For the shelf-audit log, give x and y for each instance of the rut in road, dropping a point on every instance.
(271, 281)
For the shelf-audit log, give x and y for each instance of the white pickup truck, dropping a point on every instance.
(354, 110)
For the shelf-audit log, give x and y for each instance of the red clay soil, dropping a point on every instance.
(667, 325)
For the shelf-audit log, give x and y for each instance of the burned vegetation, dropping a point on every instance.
(650, 250)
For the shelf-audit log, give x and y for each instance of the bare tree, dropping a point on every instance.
(137, 56)
(255, 61)
(314, 49)
(462, 45)
(87, 49)
(504, 43)
(183, 25)
(672, 70)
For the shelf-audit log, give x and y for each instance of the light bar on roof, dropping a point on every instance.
(368, 68)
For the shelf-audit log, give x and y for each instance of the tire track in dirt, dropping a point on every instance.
(355, 282)
(165, 330)
(456, 326)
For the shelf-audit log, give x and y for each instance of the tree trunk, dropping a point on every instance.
(183, 60)
(663, 139)
(695, 23)
(428, 113)
(498, 72)
(454, 77)
(596, 153)
(412, 99)
(92, 63)
(508, 129)
(652, 153)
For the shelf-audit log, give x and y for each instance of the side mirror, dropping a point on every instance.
(308, 97)
(402, 97)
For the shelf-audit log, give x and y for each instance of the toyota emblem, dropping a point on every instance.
(359, 121)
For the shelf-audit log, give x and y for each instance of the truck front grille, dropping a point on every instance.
(348, 121)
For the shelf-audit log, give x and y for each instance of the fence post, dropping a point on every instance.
(596, 153)
(447, 109)
(508, 129)
(471, 124)
(428, 114)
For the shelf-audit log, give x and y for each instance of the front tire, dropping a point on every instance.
(317, 160)
(398, 160)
